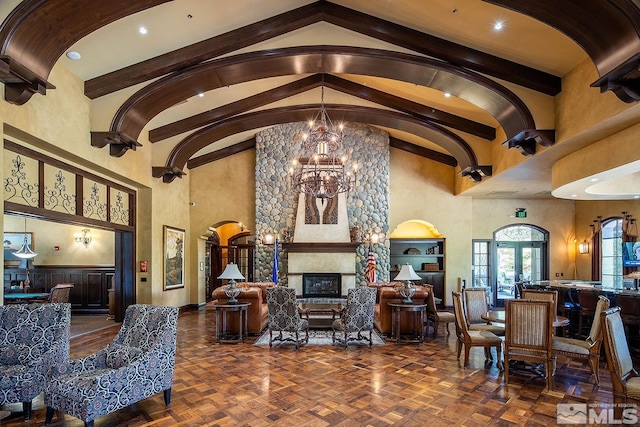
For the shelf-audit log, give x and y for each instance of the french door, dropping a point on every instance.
(517, 262)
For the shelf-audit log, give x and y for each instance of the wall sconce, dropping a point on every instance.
(268, 239)
(83, 237)
(583, 247)
(375, 238)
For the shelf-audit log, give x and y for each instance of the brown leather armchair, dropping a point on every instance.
(383, 314)
(257, 313)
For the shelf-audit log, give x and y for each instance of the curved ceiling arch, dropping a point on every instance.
(508, 109)
(607, 30)
(200, 139)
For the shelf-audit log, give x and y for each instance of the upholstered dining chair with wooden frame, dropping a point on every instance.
(434, 316)
(624, 378)
(588, 349)
(61, 292)
(468, 338)
(529, 335)
(475, 305)
(284, 317)
(356, 317)
(544, 295)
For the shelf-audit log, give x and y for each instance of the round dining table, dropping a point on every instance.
(500, 316)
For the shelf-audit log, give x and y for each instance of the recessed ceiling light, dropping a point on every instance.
(574, 195)
(72, 54)
(447, 94)
(498, 25)
(594, 180)
(142, 30)
(201, 95)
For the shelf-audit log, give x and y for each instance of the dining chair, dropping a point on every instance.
(434, 316)
(475, 305)
(356, 317)
(624, 378)
(588, 301)
(469, 338)
(528, 335)
(588, 349)
(545, 295)
(61, 292)
(630, 313)
(284, 317)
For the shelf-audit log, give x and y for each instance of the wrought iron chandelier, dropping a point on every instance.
(323, 172)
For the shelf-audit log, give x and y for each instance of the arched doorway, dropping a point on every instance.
(521, 254)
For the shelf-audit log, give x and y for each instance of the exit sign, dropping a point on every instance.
(521, 214)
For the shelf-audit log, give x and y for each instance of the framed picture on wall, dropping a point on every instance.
(12, 243)
(173, 257)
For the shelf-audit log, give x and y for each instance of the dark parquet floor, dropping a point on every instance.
(392, 385)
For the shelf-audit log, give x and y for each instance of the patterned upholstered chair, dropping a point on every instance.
(284, 317)
(528, 334)
(33, 338)
(588, 349)
(624, 378)
(475, 305)
(468, 338)
(61, 292)
(138, 363)
(356, 317)
(434, 316)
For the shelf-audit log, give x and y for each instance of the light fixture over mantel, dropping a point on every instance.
(323, 172)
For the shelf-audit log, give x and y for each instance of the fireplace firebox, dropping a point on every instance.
(327, 285)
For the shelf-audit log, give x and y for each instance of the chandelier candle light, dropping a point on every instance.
(322, 174)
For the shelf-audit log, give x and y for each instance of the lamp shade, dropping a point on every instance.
(231, 272)
(25, 251)
(407, 273)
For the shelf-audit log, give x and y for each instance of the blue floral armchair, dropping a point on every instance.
(34, 338)
(137, 364)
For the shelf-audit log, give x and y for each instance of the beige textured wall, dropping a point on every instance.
(422, 189)
(47, 235)
(555, 216)
(58, 124)
(224, 190)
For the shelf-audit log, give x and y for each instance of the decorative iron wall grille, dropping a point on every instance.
(40, 185)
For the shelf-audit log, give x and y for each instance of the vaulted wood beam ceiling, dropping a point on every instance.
(421, 111)
(250, 143)
(606, 30)
(512, 114)
(341, 16)
(204, 137)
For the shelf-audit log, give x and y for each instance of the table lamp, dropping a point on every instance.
(407, 274)
(231, 273)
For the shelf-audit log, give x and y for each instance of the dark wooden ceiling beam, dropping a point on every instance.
(204, 137)
(445, 50)
(422, 151)
(609, 31)
(221, 153)
(38, 32)
(421, 111)
(207, 49)
(511, 112)
(234, 108)
(338, 15)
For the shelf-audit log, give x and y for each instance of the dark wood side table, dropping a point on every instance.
(222, 336)
(419, 317)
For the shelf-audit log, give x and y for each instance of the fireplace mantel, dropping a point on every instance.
(349, 247)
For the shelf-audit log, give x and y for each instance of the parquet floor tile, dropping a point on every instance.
(393, 385)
